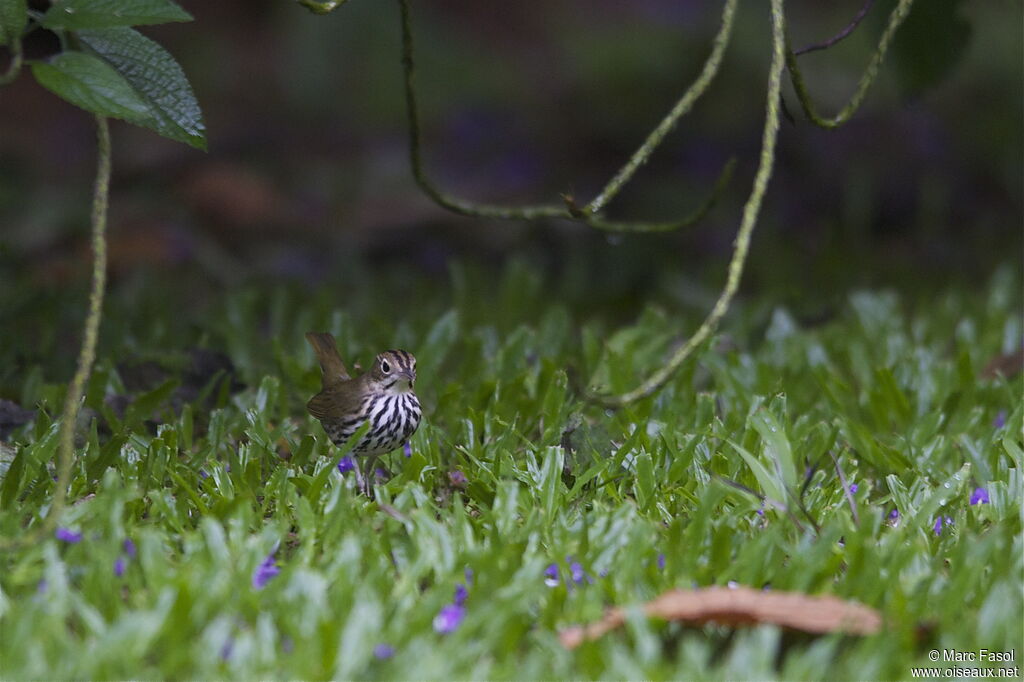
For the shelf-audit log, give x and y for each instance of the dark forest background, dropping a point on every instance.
(307, 175)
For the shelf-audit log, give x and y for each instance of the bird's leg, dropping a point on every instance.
(367, 475)
(360, 481)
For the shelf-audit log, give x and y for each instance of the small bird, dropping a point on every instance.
(383, 396)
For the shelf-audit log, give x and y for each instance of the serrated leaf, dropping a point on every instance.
(90, 83)
(156, 77)
(13, 15)
(79, 14)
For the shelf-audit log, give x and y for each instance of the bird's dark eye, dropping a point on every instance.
(385, 367)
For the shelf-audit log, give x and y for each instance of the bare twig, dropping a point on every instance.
(899, 13)
(847, 30)
(846, 489)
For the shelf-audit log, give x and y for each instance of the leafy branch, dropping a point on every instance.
(110, 70)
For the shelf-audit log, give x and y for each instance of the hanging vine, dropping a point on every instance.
(782, 57)
(590, 213)
(110, 70)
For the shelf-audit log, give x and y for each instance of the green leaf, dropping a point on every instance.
(321, 478)
(143, 407)
(779, 449)
(1013, 450)
(192, 493)
(13, 15)
(78, 14)
(942, 495)
(12, 480)
(900, 495)
(646, 485)
(550, 482)
(89, 83)
(770, 485)
(107, 457)
(157, 78)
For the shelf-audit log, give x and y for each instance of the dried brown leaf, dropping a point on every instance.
(742, 606)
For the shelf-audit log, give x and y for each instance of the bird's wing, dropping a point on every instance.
(335, 402)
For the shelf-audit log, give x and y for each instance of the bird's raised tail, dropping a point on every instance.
(334, 370)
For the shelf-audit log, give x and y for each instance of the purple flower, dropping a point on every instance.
(407, 449)
(449, 618)
(129, 548)
(67, 535)
(264, 572)
(1000, 420)
(577, 573)
(551, 575)
(469, 576)
(461, 594)
(894, 515)
(383, 651)
(346, 464)
(227, 648)
(119, 566)
(380, 474)
(979, 496)
(661, 562)
(853, 488)
(457, 478)
(203, 474)
(42, 586)
(940, 521)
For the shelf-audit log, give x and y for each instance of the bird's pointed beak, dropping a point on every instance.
(408, 376)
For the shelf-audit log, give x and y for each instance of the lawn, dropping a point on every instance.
(210, 533)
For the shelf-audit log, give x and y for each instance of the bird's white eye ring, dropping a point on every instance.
(385, 367)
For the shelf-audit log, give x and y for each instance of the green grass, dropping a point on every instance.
(887, 385)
